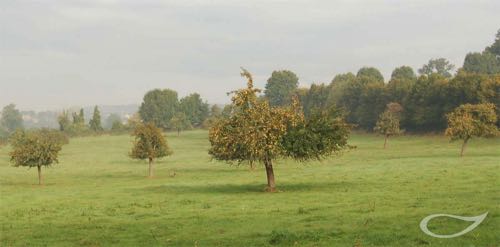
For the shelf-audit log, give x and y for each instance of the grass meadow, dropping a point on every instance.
(98, 196)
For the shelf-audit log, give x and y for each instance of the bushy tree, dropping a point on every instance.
(149, 144)
(36, 149)
(468, 121)
(111, 119)
(195, 110)
(485, 63)
(11, 119)
(95, 122)
(180, 122)
(439, 66)
(403, 73)
(255, 132)
(388, 121)
(280, 87)
(159, 106)
(370, 74)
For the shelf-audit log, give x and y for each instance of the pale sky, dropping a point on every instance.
(56, 54)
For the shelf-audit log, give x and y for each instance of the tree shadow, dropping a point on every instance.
(249, 188)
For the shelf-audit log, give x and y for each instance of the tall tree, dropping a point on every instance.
(486, 63)
(159, 106)
(468, 121)
(36, 149)
(11, 119)
(255, 132)
(388, 121)
(439, 66)
(403, 73)
(195, 110)
(280, 87)
(180, 122)
(338, 85)
(150, 144)
(370, 74)
(95, 122)
(495, 47)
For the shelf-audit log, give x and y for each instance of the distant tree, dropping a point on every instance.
(150, 144)
(133, 121)
(215, 113)
(337, 87)
(159, 106)
(486, 63)
(95, 122)
(195, 110)
(403, 73)
(256, 132)
(388, 121)
(11, 119)
(280, 87)
(111, 120)
(439, 66)
(315, 98)
(63, 121)
(468, 121)
(36, 149)
(180, 122)
(495, 47)
(370, 74)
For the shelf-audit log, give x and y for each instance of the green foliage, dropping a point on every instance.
(370, 74)
(403, 73)
(468, 121)
(439, 66)
(11, 119)
(257, 132)
(388, 121)
(280, 87)
(322, 134)
(194, 109)
(36, 148)
(63, 120)
(180, 122)
(95, 122)
(495, 47)
(486, 63)
(159, 106)
(150, 143)
(317, 97)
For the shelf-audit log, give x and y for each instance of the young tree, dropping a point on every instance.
(468, 121)
(388, 121)
(180, 122)
(150, 144)
(256, 132)
(36, 149)
(11, 119)
(95, 122)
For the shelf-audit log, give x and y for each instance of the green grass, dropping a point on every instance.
(97, 196)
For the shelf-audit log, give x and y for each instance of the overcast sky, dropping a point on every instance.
(56, 54)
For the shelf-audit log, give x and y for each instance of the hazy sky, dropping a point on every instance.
(56, 54)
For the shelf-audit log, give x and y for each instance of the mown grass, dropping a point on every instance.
(97, 196)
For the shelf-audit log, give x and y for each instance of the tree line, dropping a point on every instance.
(425, 98)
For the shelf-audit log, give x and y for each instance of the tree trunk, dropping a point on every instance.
(385, 141)
(178, 132)
(464, 145)
(271, 186)
(150, 167)
(40, 182)
(252, 166)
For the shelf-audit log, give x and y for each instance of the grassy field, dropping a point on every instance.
(369, 196)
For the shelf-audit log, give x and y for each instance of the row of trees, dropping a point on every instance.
(76, 125)
(163, 108)
(425, 98)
